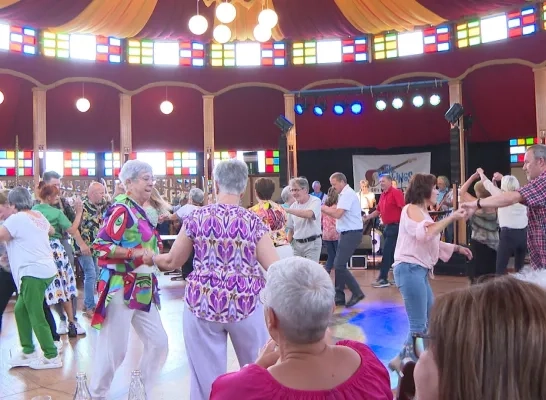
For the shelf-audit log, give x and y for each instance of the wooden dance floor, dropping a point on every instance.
(379, 321)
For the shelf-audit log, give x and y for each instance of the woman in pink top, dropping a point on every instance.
(330, 235)
(299, 363)
(418, 249)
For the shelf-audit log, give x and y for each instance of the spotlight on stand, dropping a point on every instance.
(283, 124)
(397, 103)
(434, 100)
(418, 101)
(319, 109)
(300, 107)
(356, 108)
(455, 113)
(381, 105)
(339, 108)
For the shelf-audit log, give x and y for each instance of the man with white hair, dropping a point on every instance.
(94, 206)
(304, 221)
(533, 195)
(316, 191)
(349, 225)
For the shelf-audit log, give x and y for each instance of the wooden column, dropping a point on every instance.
(456, 96)
(540, 100)
(39, 129)
(208, 131)
(291, 151)
(125, 127)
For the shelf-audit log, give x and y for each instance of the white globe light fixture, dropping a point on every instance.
(434, 100)
(418, 101)
(1, 97)
(381, 105)
(397, 103)
(226, 12)
(198, 24)
(83, 105)
(221, 34)
(268, 18)
(166, 107)
(262, 33)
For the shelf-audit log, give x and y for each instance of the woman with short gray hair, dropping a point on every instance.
(222, 293)
(300, 362)
(286, 197)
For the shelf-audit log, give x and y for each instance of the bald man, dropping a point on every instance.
(94, 206)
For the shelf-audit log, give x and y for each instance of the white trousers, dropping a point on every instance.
(206, 346)
(112, 344)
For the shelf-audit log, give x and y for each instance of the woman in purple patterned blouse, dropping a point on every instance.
(222, 293)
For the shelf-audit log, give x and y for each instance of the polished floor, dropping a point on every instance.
(380, 321)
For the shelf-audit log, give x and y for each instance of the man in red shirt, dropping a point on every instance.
(533, 195)
(389, 208)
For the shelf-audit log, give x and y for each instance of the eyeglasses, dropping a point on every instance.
(148, 179)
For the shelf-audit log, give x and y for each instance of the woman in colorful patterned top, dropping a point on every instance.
(128, 291)
(222, 293)
(330, 235)
(272, 215)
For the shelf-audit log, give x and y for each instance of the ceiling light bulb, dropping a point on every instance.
(226, 12)
(268, 18)
(166, 107)
(261, 33)
(83, 105)
(221, 34)
(198, 24)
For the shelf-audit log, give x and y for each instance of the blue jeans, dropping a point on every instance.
(412, 281)
(390, 236)
(331, 249)
(90, 273)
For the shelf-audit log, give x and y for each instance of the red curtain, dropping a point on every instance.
(455, 10)
(43, 13)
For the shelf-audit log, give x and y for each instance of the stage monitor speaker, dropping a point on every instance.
(283, 161)
(455, 154)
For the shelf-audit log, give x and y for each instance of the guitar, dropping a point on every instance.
(372, 175)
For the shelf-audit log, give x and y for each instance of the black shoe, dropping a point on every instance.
(72, 331)
(340, 303)
(355, 298)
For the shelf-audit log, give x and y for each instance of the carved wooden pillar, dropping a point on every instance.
(208, 130)
(125, 127)
(39, 129)
(540, 100)
(456, 96)
(291, 151)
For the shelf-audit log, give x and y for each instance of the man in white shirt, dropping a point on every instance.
(349, 225)
(304, 221)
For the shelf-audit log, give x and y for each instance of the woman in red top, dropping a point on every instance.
(330, 235)
(299, 362)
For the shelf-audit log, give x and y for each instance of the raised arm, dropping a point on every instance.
(487, 184)
(463, 192)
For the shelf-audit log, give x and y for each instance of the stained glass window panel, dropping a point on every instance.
(273, 54)
(4, 36)
(108, 49)
(518, 147)
(468, 34)
(385, 46)
(156, 159)
(410, 43)
(544, 16)
(7, 163)
(140, 52)
(522, 22)
(222, 55)
(54, 161)
(181, 163)
(436, 39)
(112, 164)
(248, 54)
(355, 50)
(166, 53)
(224, 155)
(329, 51)
(268, 161)
(192, 54)
(494, 28)
(76, 163)
(22, 40)
(56, 45)
(83, 47)
(304, 53)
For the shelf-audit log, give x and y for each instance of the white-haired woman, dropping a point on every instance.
(128, 290)
(222, 293)
(300, 362)
(286, 197)
(26, 234)
(512, 221)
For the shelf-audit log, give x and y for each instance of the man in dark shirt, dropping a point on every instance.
(389, 208)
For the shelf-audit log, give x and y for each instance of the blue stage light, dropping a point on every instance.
(299, 109)
(318, 110)
(356, 108)
(339, 109)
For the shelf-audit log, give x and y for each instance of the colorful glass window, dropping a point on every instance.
(522, 22)
(192, 54)
(108, 49)
(270, 163)
(7, 163)
(181, 163)
(385, 46)
(354, 50)
(222, 55)
(18, 39)
(304, 53)
(544, 16)
(518, 147)
(78, 163)
(156, 159)
(140, 51)
(468, 34)
(436, 39)
(112, 164)
(273, 54)
(224, 155)
(56, 45)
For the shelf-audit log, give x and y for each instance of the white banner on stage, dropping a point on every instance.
(400, 166)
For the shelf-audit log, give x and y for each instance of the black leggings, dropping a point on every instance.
(484, 261)
(512, 241)
(7, 288)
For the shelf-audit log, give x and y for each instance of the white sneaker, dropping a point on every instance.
(20, 359)
(62, 329)
(79, 329)
(59, 346)
(46, 363)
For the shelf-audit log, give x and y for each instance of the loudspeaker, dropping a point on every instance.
(455, 148)
(283, 161)
(454, 113)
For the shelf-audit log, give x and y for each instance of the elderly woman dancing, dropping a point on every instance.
(222, 293)
(128, 290)
(26, 234)
(300, 362)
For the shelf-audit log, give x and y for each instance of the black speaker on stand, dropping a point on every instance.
(284, 125)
